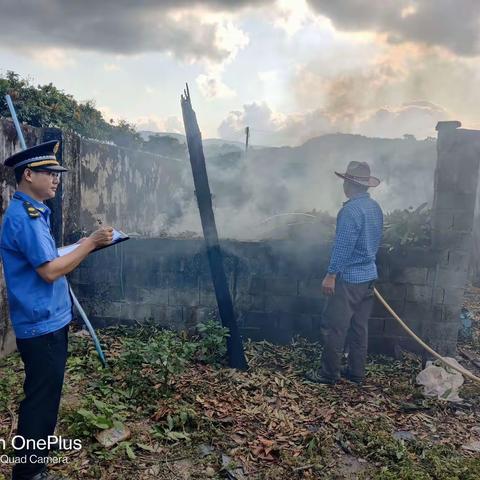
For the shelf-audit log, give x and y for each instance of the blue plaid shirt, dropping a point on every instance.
(357, 238)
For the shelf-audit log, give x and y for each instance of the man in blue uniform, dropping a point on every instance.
(350, 278)
(38, 297)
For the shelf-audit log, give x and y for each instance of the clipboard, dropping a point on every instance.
(118, 237)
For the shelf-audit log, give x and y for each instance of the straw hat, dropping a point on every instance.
(359, 173)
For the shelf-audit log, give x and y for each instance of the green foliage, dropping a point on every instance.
(47, 106)
(95, 416)
(409, 227)
(152, 364)
(165, 145)
(176, 426)
(10, 383)
(212, 345)
(400, 460)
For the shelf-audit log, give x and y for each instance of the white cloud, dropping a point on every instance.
(416, 118)
(212, 86)
(154, 123)
(231, 38)
(291, 15)
(111, 67)
(268, 127)
(54, 58)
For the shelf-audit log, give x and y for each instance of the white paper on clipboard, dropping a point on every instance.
(118, 236)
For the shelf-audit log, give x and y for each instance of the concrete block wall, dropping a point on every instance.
(453, 213)
(275, 286)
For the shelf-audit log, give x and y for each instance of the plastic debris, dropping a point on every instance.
(472, 446)
(441, 382)
(466, 318)
(108, 438)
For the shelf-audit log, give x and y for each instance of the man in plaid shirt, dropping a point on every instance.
(350, 278)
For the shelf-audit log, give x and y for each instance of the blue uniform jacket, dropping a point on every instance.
(36, 306)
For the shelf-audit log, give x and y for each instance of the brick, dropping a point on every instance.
(451, 313)
(111, 309)
(454, 259)
(284, 328)
(432, 276)
(253, 333)
(281, 286)
(443, 219)
(376, 326)
(207, 296)
(142, 312)
(250, 302)
(451, 240)
(454, 296)
(463, 221)
(256, 285)
(446, 277)
(414, 275)
(258, 303)
(174, 317)
(117, 292)
(458, 259)
(380, 311)
(438, 295)
(383, 271)
(104, 322)
(192, 316)
(303, 325)
(311, 287)
(154, 296)
(127, 311)
(408, 344)
(166, 316)
(294, 304)
(392, 291)
(454, 200)
(380, 345)
(415, 316)
(419, 293)
(185, 297)
(256, 319)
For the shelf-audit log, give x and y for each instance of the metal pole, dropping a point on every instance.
(13, 113)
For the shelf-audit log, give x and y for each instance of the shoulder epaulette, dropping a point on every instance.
(31, 210)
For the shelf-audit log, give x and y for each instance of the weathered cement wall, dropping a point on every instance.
(134, 191)
(276, 287)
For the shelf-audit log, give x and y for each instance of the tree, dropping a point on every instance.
(47, 106)
(165, 145)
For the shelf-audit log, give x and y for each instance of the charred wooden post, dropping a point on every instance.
(235, 350)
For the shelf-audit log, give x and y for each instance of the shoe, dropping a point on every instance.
(346, 375)
(45, 475)
(316, 377)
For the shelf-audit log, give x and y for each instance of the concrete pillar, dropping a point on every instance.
(456, 179)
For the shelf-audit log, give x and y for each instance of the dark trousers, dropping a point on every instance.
(346, 317)
(44, 359)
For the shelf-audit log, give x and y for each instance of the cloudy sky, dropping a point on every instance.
(289, 69)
